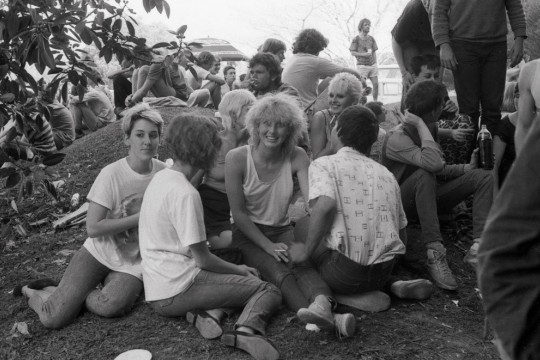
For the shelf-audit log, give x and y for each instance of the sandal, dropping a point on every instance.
(257, 346)
(208, 326)
(35, 285)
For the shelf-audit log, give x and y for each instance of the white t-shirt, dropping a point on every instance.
(114, 183)
(202, 74)
(171, 219)
(369, 212)
(303, 72)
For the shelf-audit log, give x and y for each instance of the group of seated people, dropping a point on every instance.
(211, 233)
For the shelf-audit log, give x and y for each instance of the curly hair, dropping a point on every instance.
(280, 108)
(141, 111)
(310, 41)
(273, 46)
(424, 97)
(347, 83)
(362, 23)
(205, 58)
(357, 127)
(193, 140)
(232, 103)
(270, 62)
(376, 107)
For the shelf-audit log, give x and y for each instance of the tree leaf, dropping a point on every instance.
(167, 8)
(45, 54)
(73, 77)
(160, 45)
(50, 189)
(159, 5)
(99, 18)
(85, 36)
(8, 97)
(117, 26)
(5, 172)
(131, 28)
(53, 159)
(12, 180)
(146, 4)
(64, 92)
(28, 187)
(181, 30)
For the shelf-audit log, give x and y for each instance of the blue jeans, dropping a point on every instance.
(299, 283)
(422, 196)
(479, 80)
(78, 287)
(211, 290)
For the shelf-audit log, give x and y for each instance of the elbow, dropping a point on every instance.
(91, 231)
(435, 167)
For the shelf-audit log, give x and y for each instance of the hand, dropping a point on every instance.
(473, 164)
(278, 251)
(461, 135)
(516, 53)
(407, 79)
(450, 106)
(249, 271)
(129, 102)
(298, 253)
(410, 119)
(448, 59)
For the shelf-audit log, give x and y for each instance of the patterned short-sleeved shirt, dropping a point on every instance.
(369, 212)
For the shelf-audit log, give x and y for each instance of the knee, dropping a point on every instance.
(106, 306)
(205, 95)
(482, 178)
(54, 322)
(424, 177)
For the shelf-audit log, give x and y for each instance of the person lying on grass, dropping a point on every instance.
(259, 184)
(108, 257)
(356, 231)
(181, 276)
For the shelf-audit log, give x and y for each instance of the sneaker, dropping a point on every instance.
(439, 270)
(472, 255)
(419, 289)
(318, 313)
(345, 324)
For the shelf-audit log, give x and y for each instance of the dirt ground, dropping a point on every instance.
(450, 325)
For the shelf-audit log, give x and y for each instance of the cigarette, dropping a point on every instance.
(280, 250)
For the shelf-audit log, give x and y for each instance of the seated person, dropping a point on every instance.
(357, 227)
(93, 112)
(108, 257)
(429, 185)
(456, 132)
(259, 184)
(344, 90)
(61, 121)
(380, 114)
(122, 85)
(181, 276)
(204, 63)
(504, 149)
(265, 76)
(229, 73)
(28, 140)
(217, 212)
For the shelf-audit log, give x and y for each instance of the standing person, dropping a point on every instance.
(429, 185)
(473, 46)
(305, 68)
(181, 276)
(107, 257)
(357, 227)
(529, 101)
(344, 90)
(364, 49)
(259, 183)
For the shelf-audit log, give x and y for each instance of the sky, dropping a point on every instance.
(247, 23)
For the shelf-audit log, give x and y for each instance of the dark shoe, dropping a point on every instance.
(35, 285)
(208, 326)
(255, 345)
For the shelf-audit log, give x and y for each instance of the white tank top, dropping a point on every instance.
(267, 203)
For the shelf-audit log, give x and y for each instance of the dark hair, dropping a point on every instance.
(194, 140)
(205, 58)
(273, 46)
(270, 62)
(357, 127)
(362, 22)
(424, 97)
(227, 68)
(375, 106)
(433, 62)
(309, 41)
(242, 77)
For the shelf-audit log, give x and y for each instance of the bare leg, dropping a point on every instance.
(375, 82)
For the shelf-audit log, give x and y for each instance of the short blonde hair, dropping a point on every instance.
(508, 104)
(141, 111)
(348, 83)
(279, 108)
(232, 103)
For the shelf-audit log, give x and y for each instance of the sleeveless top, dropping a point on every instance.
(267, 203)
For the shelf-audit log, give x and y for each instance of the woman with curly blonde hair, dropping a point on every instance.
(181, 276)
(259, 183)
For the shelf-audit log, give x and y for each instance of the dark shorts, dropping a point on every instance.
(217, 212)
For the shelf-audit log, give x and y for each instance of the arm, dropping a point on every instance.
(235, 163)
(320, 145)
(97, 223)
(207, 261)
(300, 167)
(197, 178)
(514, 8)
(499, 147)
(215, 79)
(526, 106)
(441, 33)
(119, 72)
(154, 72)
(407, 77)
